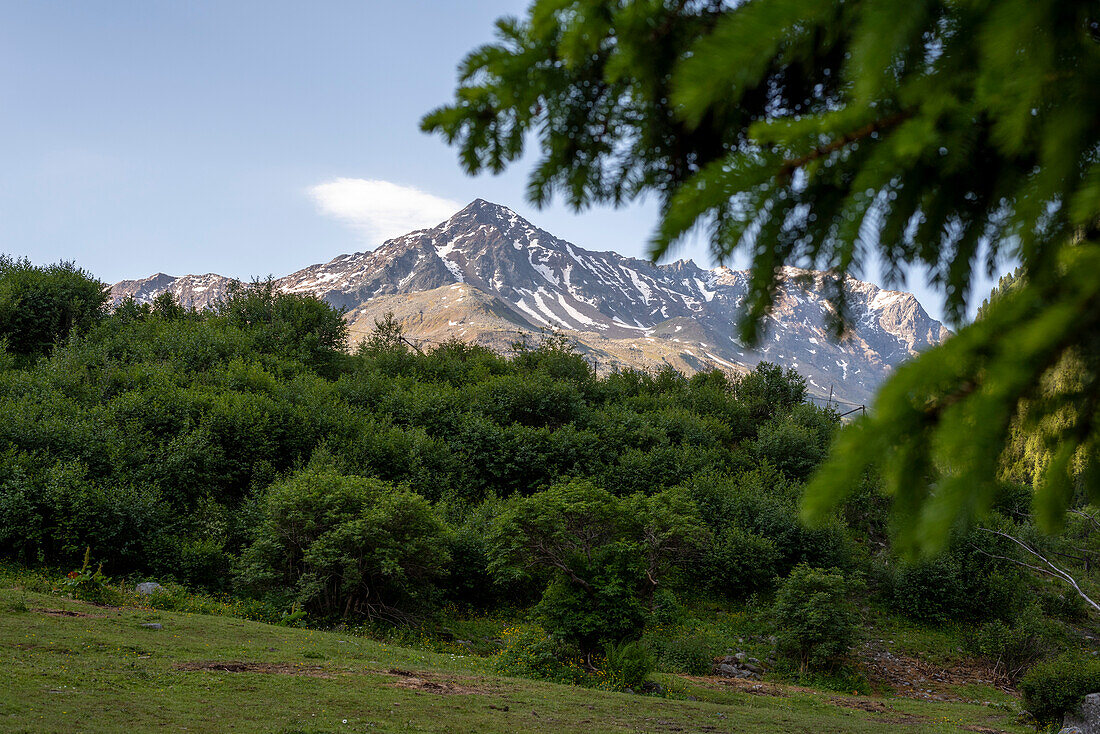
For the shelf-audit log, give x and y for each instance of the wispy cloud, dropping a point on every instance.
(380, 209)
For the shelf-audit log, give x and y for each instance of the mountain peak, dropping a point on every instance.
(626, 311)
(485, 212)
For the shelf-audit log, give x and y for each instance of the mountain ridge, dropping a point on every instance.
(631, 312)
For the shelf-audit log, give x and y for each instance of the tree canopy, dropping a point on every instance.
(824, 133)
(40, 306)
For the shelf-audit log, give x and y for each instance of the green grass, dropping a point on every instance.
(105, 673)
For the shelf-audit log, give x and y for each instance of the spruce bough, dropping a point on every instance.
(930, 134)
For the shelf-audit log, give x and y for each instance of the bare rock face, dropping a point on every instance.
(198, 291)
(1086, 720)
(622, 311)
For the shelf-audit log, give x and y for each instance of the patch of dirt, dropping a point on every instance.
(877, 707)
(430, 683)
(68, 613)
(312, 671)
(743, 685)
(914, 677)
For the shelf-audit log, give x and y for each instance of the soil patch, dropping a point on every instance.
(913, 677)
(68, 613)
(743, 685)
(877, 707)
(312, 671)
(431, 684)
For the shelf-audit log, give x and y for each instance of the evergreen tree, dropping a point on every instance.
(945, 135)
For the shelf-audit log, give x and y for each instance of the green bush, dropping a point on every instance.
(531, 653)
(202, 562)
(964, 583)
(40, 306)
(601, 557)
(1015, 648)
(740, 563)
(816, 617)
(1053, 689)
(345, 546)
(1067, 605)
(762, 503)
(610, 610)
(687, 655)
(628, 664)
(931, 591)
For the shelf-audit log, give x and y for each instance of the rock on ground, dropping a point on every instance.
(1086, 720)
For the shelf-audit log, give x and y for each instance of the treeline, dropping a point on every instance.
(245, 448)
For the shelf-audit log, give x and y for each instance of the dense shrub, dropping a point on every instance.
(1017, 647)
(763, 504)
(739, 563)
(964, 583)
(531, 653)
(52, 514)
(769, 390)
(816, 617)
(40, 306)
(346, 545)
(1067, 605)
(932, 591)
(602, 557)
(291, 324)
(688, 655)
(1057, 687)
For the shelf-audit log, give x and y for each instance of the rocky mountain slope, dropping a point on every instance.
(490, 276)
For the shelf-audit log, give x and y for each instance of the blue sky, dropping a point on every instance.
(237, 137)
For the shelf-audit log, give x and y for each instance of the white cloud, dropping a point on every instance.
(380, 209)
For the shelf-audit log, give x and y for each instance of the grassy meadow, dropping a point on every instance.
(74, 666)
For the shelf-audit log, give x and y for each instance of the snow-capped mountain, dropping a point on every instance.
(512, 276)
(198, 291)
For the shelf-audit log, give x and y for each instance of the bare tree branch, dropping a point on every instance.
(1049, 570)
(1091, 518)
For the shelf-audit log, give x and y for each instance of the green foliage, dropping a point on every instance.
(604, 608)
(1067, 606)
(387, 337)
(531, 653)
(769, 390)
(942, 136)
(88, 585)
(628, 664)
(1057, 687)
(51, 514)
(346, 545)
(740, 562)
(1016, 648)
(603, 556)
(756, 532)
(290, 323)
(816, 616)
(40, 306)
(688, 655)
(948, 416)
(963, 583)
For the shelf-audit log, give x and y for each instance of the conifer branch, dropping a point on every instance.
(790, 166)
